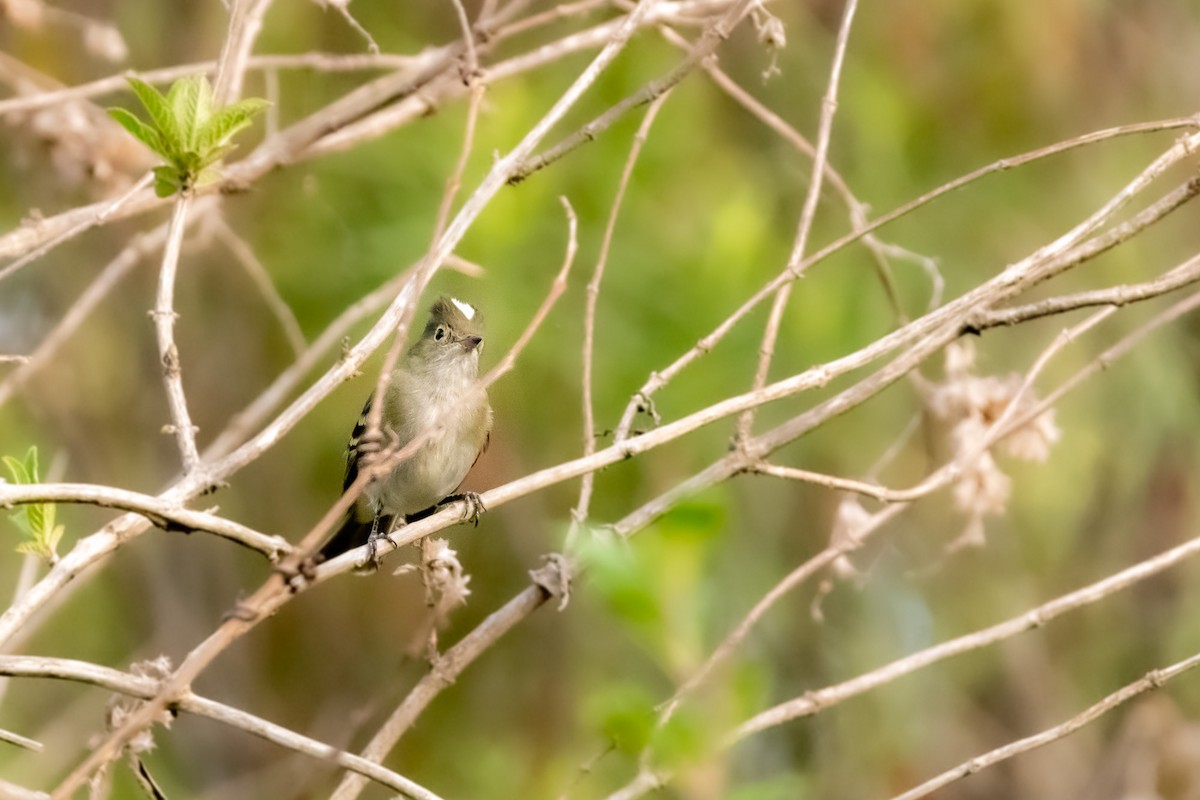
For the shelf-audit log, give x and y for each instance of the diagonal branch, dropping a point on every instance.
(1150, 681)
(712, 37)
(144, 688)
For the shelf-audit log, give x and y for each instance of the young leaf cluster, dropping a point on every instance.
(186, 130)
(36, 521)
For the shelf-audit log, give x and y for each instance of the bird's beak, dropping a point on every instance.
(471, 342)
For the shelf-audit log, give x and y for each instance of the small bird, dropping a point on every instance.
(435, 390)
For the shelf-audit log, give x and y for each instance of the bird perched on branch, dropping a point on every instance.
(434, 394)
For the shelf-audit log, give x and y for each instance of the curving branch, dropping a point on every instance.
(159, 512)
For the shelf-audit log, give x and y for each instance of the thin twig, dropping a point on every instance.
(93, 216)
(709, 41)
(1116, 296)
(858, 210)
(8, 737)
(443, 673)
(1151, 680)
(319, 62)
(580, 512)
(164, 326)
(766, 350)
(343, 8)
(139, 247)
(557, 287)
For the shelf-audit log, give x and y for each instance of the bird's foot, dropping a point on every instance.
(473, 508)
(379, 532)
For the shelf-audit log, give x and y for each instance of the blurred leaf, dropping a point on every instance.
(166, 181)
(625, 713)
(624, 582)
(140, 130)
(684, 739)
(695, 520)
(190, 99)
(228, 121)
(35, 520)
(159, 110)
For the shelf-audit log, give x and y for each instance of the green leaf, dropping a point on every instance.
(207, 177)
(140, 130)
(624, 712)
(214, 155)
(684, 739)
(228, 121)
(187, 132)
(53, 537)
(159, 110)
(167, 181)
(17, 470)
(35, 520)
(190, 99)
(37, 516)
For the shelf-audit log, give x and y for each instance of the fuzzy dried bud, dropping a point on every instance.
(442, 574)
(121, 707)
(971, 405)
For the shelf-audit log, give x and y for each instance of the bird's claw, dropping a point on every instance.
(378, 532)
(473, 506)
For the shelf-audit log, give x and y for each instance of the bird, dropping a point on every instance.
(434, 392)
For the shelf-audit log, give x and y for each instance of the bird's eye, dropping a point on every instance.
(440, 334)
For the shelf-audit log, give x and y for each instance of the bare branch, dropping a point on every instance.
(159, 512)
(579, 514)
(1116, 296)
(557, 287)
(145, 687)
(443, 673)
(139, 247)
(709, 41)
(766, 350)
(1151, 680)
(661, 378)
(245, 23)
(164, 327)
(82, 220)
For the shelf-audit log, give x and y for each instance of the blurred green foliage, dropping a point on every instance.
(930, 91)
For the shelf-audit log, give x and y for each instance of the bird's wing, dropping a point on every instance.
(352, 447)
